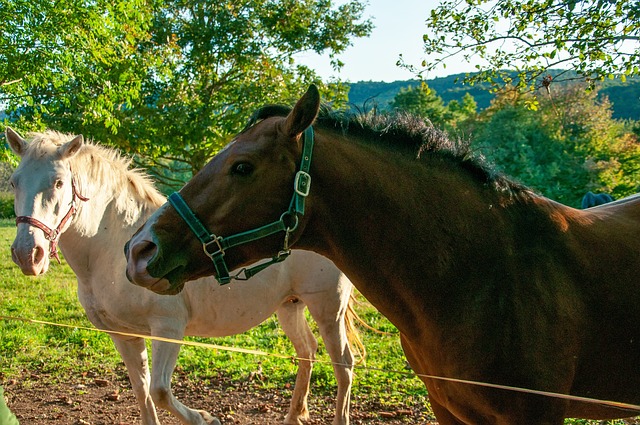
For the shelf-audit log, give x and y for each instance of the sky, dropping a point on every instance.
(399, 26)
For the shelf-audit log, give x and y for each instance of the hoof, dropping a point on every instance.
(210, 420)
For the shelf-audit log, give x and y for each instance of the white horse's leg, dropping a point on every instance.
(329, 315)
(134, 354)
(295, 326)
(165, 355)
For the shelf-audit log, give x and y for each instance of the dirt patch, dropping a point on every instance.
(86, 399)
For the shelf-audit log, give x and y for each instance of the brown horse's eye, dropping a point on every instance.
(242, 169)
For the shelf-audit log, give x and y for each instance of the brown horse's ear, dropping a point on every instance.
(303, 113)
(18, 144)
(71, 147)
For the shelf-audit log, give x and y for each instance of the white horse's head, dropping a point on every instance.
(45, 196)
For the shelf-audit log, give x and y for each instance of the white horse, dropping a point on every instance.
(85, 196)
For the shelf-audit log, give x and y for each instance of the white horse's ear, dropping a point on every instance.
(71, 148)
(18, 144)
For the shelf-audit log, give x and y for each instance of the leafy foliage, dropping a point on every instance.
(598, 39)
(424, 102)
(566, 147)
(168, 81)
(6, 205)
(77, 57)
(421, 101)
(365, 95)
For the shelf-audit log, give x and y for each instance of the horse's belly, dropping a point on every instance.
(597, 411)
(608, 370)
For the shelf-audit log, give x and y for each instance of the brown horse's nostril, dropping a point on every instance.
(126, 249)
(143, 250)
(138, 256)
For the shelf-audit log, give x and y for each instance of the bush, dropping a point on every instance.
(6, 205)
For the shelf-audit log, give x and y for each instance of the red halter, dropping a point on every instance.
(53, 235)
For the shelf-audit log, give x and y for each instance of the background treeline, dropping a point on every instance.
(562, 142)
(624, 96)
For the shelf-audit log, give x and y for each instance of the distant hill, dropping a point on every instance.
(625, 97)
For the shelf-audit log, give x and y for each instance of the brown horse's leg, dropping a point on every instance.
(443, 416)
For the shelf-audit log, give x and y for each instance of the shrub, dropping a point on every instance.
(6, 205)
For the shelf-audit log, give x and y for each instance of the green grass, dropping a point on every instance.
(62, 350)
(68, 351)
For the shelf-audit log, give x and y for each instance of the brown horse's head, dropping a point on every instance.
(245, 186)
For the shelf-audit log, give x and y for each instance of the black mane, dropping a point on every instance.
(406, 133)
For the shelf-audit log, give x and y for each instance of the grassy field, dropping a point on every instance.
(62, 351)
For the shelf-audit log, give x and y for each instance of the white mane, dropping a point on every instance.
(102, 174)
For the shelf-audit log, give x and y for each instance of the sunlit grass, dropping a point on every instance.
(53, 298)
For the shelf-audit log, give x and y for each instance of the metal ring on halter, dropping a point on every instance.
(291, 214)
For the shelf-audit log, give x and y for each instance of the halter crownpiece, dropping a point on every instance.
(53, 235)
(215, 246)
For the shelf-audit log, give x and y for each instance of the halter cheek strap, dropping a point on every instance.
(215, 246)
(53, 235)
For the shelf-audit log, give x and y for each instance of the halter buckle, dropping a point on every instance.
(217, 240)
(302, 183)
(52, 235)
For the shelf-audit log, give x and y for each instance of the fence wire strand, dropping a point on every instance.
(607, 403)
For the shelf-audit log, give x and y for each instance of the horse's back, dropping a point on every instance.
(627, 201)
(613, 219)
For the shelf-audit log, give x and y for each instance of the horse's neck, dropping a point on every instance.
(101, 227)
(372, 211)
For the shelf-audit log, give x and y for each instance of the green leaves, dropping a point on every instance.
(168, 81)
(424, 102)
(563, 147)
(596, 38)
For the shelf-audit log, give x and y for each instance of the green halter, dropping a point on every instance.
(215, 246)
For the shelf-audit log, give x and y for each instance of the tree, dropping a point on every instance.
(463, 112)
(424, 102)
(566, 147)
(595, 38)
(80, 57)
(174, 91)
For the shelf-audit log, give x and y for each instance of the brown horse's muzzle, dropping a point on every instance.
(140, 252)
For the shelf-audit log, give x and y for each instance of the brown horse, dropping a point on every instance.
(485, 280)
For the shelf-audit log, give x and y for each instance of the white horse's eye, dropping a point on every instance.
(59, 183)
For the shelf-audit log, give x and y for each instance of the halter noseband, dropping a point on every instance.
(53, 235)
(215, 246)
